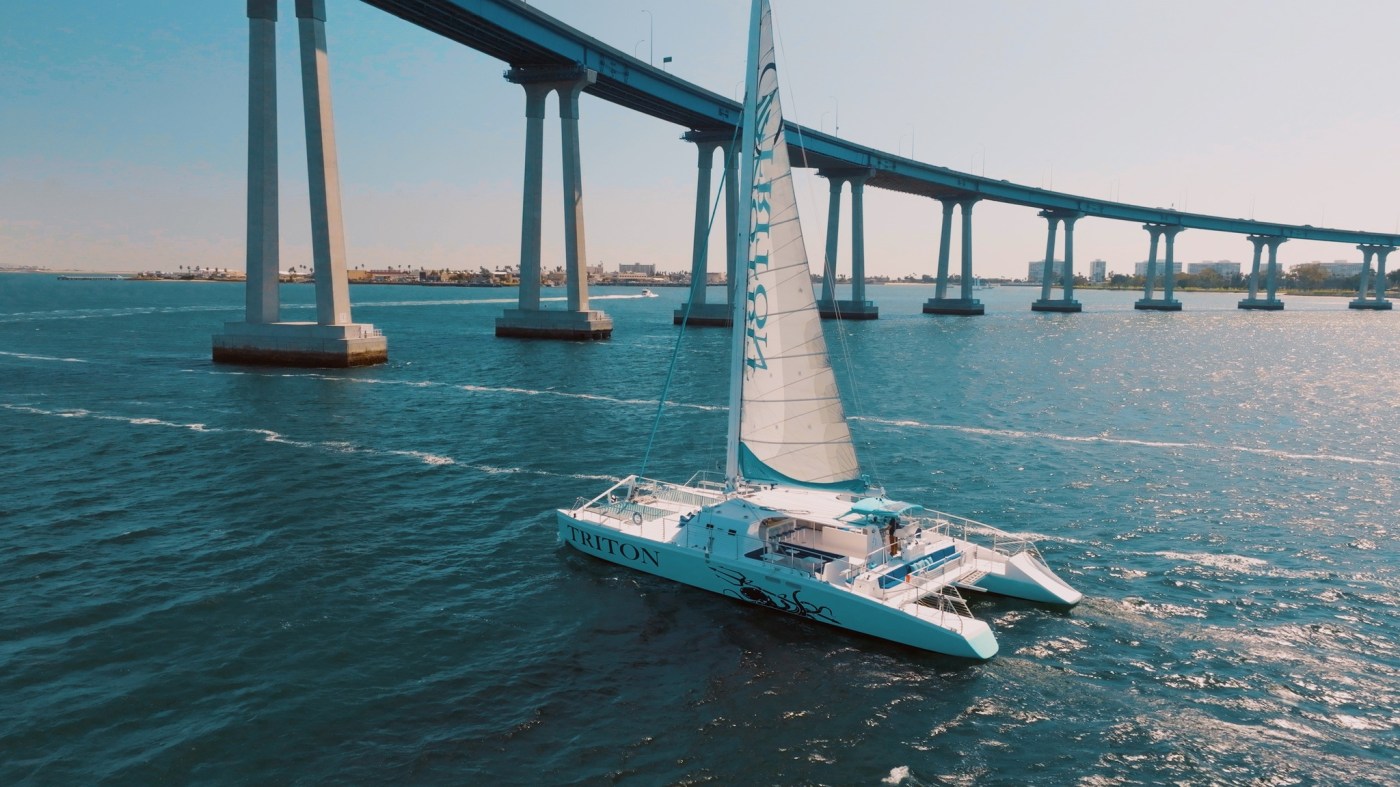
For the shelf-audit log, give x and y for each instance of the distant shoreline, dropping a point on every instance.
(77, 275)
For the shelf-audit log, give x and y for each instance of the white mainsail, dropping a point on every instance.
(876, 566)
(792, 427)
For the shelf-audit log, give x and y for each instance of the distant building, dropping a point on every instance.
(637, 268)
(1225, 268)
(1035, 269)
(1340, 269)
(1141, 268)
(1098, 271)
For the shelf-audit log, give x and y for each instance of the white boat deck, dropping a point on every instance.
(807, 538)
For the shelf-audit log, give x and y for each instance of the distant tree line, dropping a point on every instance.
(1314, 276)
(1301, 278)
(1205, 280)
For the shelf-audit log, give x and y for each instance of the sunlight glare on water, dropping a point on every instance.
(231, 574)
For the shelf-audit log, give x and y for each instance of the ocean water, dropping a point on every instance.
(232, 575)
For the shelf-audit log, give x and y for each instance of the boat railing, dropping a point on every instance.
(638, 489)
(610, 494)
(928, 597)
(946, 602)
(879, 557)
(641, 502)
(689, 497)
(709, 480)
(952, 563)
(1009, 544)
(764, 549)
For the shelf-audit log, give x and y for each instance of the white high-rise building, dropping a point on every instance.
(1141, 268)
(1223, 267)
(1339, 268)
(1036, 268)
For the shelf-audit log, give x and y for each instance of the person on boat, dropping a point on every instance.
(890, 536)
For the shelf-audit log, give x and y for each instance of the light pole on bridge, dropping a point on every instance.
(651, 38)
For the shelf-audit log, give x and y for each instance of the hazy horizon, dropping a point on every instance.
(126, 144)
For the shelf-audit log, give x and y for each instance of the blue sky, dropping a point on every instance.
(124, 127)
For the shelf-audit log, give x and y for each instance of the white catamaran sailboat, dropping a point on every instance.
(792, 525)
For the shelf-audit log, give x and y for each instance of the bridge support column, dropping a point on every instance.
(531, 320)
(536, 96)
(1150, 276)
(945, 233)
(1273, 270)
(857, 308)
(833, 231)
(1363, 301)
(1047, 274)
(698, 311)
(1381, 281)
(1066, 303)
(965, 304)
(1271, 302)
(262, 338)
(263, 302)
(731, 227)
(1169, 273)
(1166, 303)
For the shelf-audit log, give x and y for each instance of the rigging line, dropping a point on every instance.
(685, 317)
(869, 465)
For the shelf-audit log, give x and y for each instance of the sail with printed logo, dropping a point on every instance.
(793, 527)
(791, 427)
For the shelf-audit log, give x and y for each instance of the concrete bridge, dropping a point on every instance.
(548, 57)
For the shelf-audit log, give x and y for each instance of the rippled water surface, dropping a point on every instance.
(220, 574)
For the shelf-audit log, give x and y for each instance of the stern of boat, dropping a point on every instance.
(1028, 577)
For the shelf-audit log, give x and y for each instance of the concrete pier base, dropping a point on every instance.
(1157, 305)
(719, 315)
(300, 344)
(1262, 304)
(953, 306)
(554, 324)
(1369, 303)
(1043, 305)
(848, 310)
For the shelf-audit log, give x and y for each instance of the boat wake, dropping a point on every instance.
(28, 357)
(1019, 434)
(138, 311)
(642, 296)
(270, 436)
(472, 301)
(448, 302)
(589, 397)
(127, 311)
(474, 388)
(1013, 434)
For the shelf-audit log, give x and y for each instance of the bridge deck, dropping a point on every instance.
(522, 36)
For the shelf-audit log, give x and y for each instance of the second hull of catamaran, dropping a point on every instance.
(868, 564)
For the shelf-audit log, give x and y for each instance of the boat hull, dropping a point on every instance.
(754, 582)
(1028, 578)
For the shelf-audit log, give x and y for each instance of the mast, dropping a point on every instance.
(742, 218)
